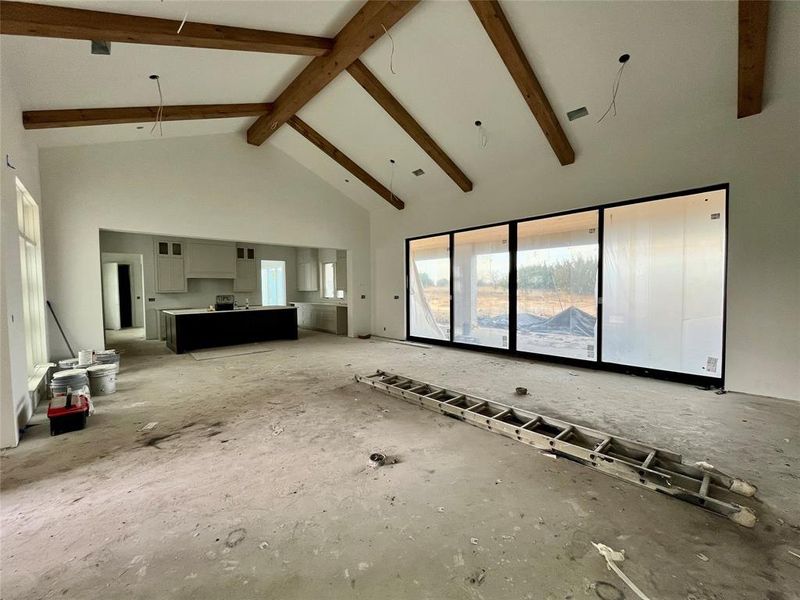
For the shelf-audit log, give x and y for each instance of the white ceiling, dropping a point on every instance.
(448, 74)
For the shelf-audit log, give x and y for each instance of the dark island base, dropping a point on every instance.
(187, 332)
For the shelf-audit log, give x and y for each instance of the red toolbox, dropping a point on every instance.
(71, 416)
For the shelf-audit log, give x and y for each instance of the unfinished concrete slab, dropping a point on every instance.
(256, 483)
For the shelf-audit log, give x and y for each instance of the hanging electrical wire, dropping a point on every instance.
(185, 15)
(391, 55)
(160, 111)
(615, 87)
(391, 181)
(483, 139)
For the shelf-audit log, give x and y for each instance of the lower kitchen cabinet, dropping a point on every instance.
(331, 318)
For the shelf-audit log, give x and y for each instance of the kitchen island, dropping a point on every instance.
(196, 328)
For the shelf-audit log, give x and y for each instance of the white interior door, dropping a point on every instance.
(111, 296)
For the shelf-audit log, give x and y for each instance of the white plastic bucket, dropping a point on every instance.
(85, 357)
(102, 379)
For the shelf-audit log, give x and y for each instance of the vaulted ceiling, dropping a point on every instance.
(447, 74)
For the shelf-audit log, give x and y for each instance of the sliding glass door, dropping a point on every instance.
(664, 284)
(429, 287)
(480, 287)
(636, 286)
(557, 286)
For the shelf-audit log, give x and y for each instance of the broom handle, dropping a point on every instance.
(64, 335)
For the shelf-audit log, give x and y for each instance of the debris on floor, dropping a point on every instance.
(612, 557)
(150, 426)
(376, 459)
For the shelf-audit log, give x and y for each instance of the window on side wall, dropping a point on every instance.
(30, 254)
(329, 280)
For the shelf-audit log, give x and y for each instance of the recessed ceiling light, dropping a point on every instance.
(100, 47)
(347, 181)
(140, 127)
(418, 172)
(577, 113)
(624, 58)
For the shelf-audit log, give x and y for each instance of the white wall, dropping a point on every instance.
(215, 187)
(15, 404)
(758, 156)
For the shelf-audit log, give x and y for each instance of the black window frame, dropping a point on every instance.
(598, 363)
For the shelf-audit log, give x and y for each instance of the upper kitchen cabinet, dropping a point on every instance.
(210, 260)
(170, 276)
(307, 270)
(246, 270)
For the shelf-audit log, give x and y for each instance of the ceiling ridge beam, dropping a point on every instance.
(345, 161)
(494, 21)
(397, 111)
(753, 26)
(39, 20)
(82, 117)
(368, 25)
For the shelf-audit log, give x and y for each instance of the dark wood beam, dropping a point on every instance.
(753, 24)
(81, 117)
(369, 24)
(38, 20)
(320, 142)
(496, 24)
(382, 96)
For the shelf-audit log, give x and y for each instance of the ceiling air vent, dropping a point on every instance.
(418, 172)
(577, 113)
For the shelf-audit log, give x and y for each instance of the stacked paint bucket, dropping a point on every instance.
(68, 380)
(103, 374)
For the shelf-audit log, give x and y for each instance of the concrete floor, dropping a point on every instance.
(254, 484)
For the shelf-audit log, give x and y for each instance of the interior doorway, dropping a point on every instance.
(123, 292)
(125, 296)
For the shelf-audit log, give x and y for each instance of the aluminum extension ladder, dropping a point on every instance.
(654, 468)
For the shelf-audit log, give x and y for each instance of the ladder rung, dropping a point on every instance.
(531, 423)
(704, 485)
(649, 460)
(417, 387)
(461, 397)
(478, 406)
(564, 433)
(600, 448)
(500, 415)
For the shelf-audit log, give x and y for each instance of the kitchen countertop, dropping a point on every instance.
(322, 304)
(199, 311)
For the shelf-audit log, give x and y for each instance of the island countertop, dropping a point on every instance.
(205, 311)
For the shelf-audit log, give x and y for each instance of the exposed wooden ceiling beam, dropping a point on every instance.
(81, 117)
(753, 25)
(38, 20)
(496, 24)
(320, 142)
(382, 96)
(369, 24)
